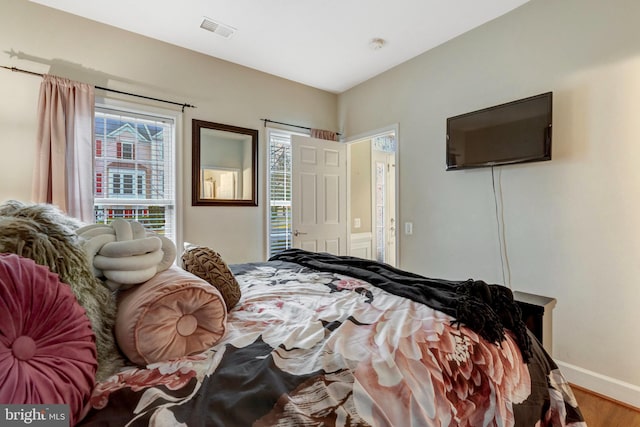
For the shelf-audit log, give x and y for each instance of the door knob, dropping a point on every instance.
(298, 233)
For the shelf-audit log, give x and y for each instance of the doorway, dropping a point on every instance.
(373, 196)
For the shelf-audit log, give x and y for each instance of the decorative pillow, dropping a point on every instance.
(46, 235)
(125, 253)
(208, 265)
(173, 314)
(47, 347)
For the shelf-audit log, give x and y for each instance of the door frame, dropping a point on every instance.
(369, 135)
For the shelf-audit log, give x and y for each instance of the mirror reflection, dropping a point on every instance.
(224, 164)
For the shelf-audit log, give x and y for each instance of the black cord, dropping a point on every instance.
(504, 236)
(500, 225)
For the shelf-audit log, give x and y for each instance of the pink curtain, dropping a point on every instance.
(63, 173)
(324, 134)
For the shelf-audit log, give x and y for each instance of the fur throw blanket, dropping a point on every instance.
(46, 235)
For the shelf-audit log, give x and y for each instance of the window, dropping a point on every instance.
(134, 169)
(121, 183)
(279, 190)
(125, 150)
(98, 183)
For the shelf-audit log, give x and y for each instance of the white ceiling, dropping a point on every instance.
(320, 43)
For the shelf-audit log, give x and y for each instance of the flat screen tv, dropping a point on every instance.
(515, 132)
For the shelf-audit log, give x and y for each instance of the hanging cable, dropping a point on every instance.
(502, 242)
(183, 105)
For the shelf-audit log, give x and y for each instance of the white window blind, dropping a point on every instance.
(135, 169)
(279, 190)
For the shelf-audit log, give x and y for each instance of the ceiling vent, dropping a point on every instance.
(218, 28)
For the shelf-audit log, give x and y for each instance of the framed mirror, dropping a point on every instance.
(224, 167)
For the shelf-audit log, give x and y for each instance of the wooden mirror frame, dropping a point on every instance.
(196, 182)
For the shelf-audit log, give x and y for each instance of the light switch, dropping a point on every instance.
(408, 228)
(357, 223)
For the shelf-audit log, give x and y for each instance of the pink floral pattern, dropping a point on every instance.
(434, 371)
(334, 351)
(172, 374)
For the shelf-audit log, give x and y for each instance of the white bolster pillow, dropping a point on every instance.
(169, 254)
(131, 247)
(93, 245)
(93, 230)
(136, 262)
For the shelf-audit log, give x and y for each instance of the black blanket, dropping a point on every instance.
(486, 309)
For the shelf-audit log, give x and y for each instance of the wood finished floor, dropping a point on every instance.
(600, 412)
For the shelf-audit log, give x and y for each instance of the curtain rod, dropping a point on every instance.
(288, 124)
(183, 105)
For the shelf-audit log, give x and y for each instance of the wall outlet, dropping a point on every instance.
(408, 228)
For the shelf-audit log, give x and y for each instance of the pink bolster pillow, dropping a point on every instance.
(173, 314)
(47, 347)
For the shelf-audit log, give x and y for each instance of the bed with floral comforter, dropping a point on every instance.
(309, 347)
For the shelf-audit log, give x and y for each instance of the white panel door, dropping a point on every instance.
(319, 195)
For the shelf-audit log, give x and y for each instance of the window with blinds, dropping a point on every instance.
(134, 169)
(279, 190)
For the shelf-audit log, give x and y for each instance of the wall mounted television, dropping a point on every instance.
(515, 132)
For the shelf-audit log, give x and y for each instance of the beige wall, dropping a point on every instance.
(572, 224)
(54, 42)
(361, 186)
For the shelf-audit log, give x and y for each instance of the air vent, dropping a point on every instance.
(218, 28)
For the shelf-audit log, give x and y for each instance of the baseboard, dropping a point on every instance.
(610, 387)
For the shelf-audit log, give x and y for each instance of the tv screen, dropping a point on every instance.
(515, 132)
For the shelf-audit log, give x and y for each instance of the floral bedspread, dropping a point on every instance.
(311, 348)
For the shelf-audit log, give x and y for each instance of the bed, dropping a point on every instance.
(319, 340)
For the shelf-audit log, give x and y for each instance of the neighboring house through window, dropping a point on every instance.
(135, 169)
